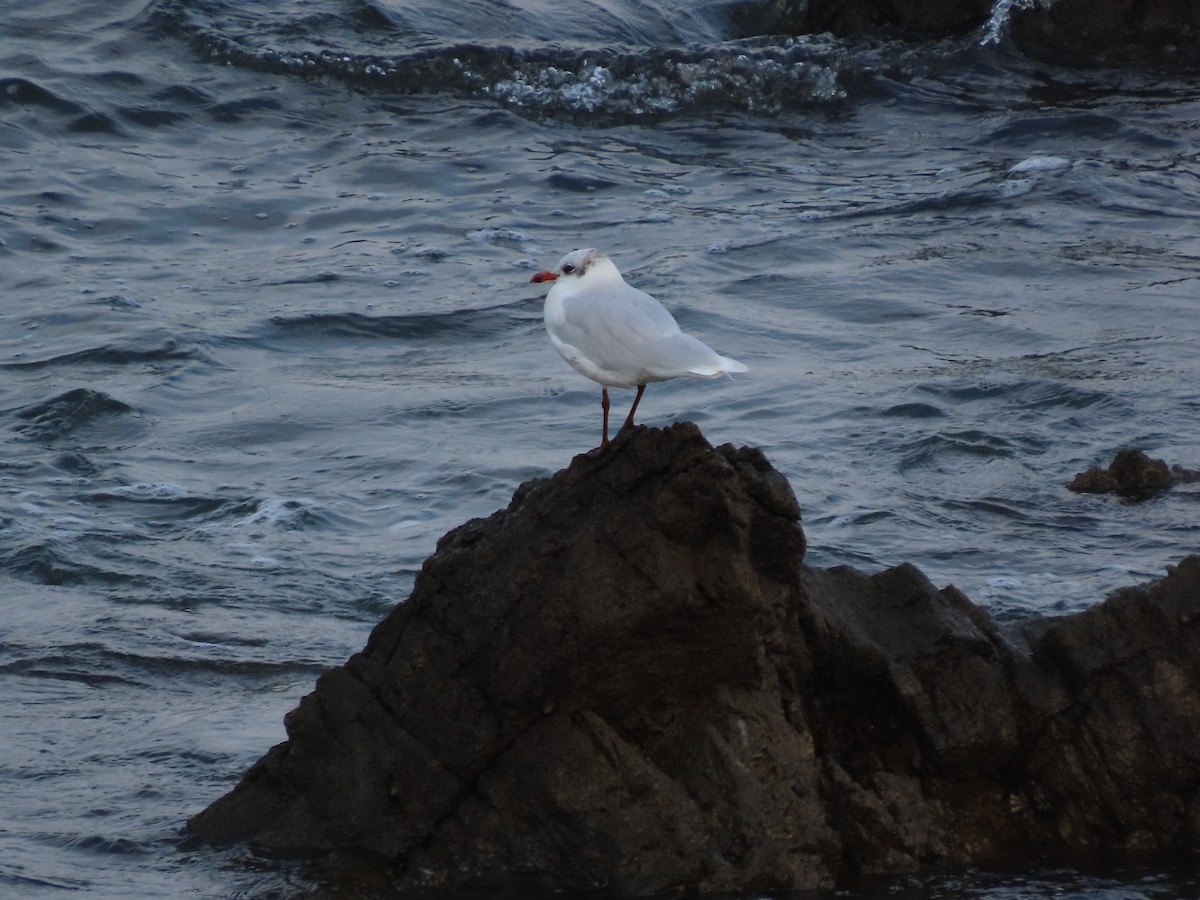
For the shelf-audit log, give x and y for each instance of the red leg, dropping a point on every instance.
(633, 409)
(604, 406)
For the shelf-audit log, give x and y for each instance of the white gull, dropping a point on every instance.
(617, 335)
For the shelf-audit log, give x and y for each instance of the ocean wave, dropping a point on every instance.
(602, 84)
(460, 323)
(49, 563)
(170, 502)
(61, 415)
(142, 349)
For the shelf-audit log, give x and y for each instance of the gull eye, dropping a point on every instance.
(568, 269)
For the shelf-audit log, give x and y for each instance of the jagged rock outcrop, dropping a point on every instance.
(628, 680)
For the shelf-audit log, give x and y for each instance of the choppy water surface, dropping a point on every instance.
(266, 332)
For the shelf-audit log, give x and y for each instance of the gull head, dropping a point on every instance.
(575, 264)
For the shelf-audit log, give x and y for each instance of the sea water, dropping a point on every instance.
(267, 332)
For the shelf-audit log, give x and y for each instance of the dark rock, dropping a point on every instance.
(1094, 481)
(918, 18)
(1131, 474)
(1070, 32)
(1136, 473)
(628, 680)
(1181, 475)
(1116, 764)
(1073, 31)
(914, 18)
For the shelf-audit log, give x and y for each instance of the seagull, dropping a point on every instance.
(617, 335)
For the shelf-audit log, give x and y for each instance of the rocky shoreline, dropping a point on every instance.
(629, 681)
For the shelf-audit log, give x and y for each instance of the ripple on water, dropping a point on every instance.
(185, 560)
(60, 416)
(466, 324)
(142, 349)
(56, 563)
(953, 450)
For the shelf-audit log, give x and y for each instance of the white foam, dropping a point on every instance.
(1016, 187)
(155, 490)
(278, 512)
(1039, 164)
(1004, 582)
(497, 235)
(997, 25)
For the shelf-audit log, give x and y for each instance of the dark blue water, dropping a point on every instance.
(266, 332)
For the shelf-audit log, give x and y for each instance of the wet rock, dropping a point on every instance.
(1131, 474)
(924, 18)
(1116, 765)
(1065, 31)
(917, 18)
(628, 680)
(1072, 31)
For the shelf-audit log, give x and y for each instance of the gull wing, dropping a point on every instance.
(625, 331)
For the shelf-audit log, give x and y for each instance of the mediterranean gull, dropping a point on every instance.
(617, 335)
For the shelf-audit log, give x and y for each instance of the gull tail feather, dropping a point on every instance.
(723, 366)
(731, 367)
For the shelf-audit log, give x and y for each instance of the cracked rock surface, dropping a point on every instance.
(629, 681)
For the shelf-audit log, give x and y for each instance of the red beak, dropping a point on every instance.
(542, 276)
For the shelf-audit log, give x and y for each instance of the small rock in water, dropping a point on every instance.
(1131, 474)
